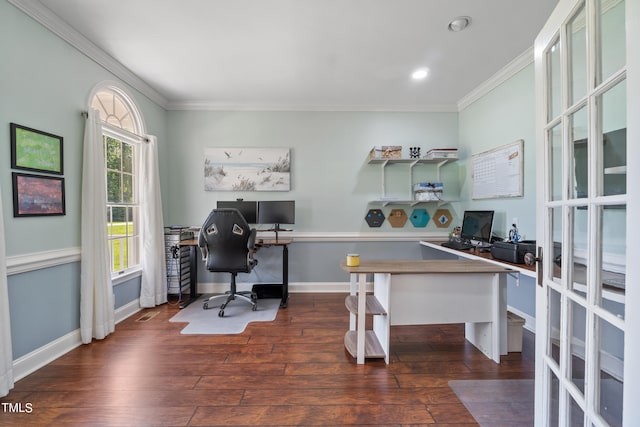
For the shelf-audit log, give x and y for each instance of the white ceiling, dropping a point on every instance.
(301, 54)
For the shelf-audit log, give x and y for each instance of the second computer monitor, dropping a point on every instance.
(249, 210)
(276, 212)
(477, 226)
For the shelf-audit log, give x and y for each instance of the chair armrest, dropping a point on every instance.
(202, 244)
(251, 243)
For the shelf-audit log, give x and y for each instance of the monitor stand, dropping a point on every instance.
(276, 228)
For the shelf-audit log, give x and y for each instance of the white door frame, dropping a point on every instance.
(564, 9)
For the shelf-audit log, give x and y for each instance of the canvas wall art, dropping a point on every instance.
(247, 169)
(37, 195)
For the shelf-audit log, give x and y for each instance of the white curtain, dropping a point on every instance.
(97, 316)
(6, 353)
(154, 271)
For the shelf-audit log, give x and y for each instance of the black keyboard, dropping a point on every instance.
(454, 244)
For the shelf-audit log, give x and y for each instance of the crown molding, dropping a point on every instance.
(53, 23)
(213, 106)
(497, 79)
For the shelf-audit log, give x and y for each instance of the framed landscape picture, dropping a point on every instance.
(37, 195)
(247, 169)
(36, 150)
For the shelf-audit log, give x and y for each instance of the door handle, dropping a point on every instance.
(530, 259)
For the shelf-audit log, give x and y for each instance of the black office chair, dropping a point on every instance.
(227, 244)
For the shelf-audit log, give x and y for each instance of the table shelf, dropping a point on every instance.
(372, 347)
(373, 306)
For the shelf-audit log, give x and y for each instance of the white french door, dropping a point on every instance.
(587, 146)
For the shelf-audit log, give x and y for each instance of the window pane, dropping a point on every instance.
(577, 38)
(614, 140)
(114, 187)
(612, 37)
(553, 74)
(579, 264)
(579, 137)
(127, 158)
(578, 319)
(610, 369)
(113, 154)
(555, 153)
(555, 307)
(613, 252)
(556, 226)
(553, 394)
(127, 188)
(576, 414)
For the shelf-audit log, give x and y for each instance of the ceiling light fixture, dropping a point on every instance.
(459, 23)
(420, 74)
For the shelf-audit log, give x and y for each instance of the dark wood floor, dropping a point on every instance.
(293, 371)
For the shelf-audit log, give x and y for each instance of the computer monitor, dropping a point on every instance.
(477, 226)
(276, 212)
(249, 210)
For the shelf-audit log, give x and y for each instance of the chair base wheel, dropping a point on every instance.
(221, 313)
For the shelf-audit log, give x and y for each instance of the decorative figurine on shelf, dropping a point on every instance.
(414, 152)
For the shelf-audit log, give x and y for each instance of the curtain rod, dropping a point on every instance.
(85, 114)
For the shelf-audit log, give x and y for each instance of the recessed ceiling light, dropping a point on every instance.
(459, 23)
(420, 74)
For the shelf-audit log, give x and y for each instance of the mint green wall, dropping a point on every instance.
(45, 84)
(503, 116)
(331, 181)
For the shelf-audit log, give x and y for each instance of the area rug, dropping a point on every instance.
(497, 403)
(237, 315)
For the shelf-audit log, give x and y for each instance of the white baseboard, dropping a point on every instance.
(294, 287)
(46, 354)
(40, 357)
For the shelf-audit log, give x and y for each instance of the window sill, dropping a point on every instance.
(117, 279)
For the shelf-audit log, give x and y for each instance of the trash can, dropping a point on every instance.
(514, 332)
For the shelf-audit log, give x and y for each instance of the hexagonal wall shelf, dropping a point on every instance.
(374, 217)
(442, 218)
(397, 218)
(420, 217)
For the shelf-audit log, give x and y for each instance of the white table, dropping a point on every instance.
(418, 292)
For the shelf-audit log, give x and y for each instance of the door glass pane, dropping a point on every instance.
(579, 232)
(612, 37)
(614, 140)
(577, 38)
(553, 349)
(610, 369)
(553, 394)
(613, 251)
(579, 137)
(556, 227)
(555, 156)
(553, 83)
(576, 415)
(577, 320)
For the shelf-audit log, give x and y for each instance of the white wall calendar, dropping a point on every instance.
(498, 172)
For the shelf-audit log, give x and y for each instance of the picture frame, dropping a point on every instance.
(35, 150)
(247, 169)
(38, 195)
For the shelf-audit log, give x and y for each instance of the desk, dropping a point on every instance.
(284, 243)
(483, 256)
(418, 292)
(193, 261)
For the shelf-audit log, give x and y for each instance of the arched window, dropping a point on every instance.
(122, 131)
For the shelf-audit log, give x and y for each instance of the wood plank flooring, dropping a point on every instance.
(293, 371)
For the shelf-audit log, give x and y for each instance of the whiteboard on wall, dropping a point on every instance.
(498, 173)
